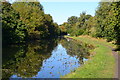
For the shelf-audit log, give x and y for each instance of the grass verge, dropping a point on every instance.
(119, 52)
(101, 65)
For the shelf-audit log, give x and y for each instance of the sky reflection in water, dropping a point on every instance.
(63, 59)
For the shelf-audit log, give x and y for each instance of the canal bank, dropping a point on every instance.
(43, 58)
(101, 65)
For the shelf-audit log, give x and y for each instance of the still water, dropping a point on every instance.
(44, 58)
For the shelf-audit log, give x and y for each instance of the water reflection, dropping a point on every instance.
(77, 48)
(43, 59)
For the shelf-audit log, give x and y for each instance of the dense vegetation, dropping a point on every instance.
(105, 23)
(23, 21)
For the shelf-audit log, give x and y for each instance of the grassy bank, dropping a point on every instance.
(102, 63)
(119, 52)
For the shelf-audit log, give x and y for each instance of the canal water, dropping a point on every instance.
(44, 58)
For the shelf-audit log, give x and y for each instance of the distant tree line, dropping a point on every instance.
(23, 21)
(105, 23)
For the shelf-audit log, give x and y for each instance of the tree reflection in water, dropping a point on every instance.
(77, 48)
(27, 60)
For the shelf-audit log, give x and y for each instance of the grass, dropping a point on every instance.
(119, 52)
(101, 65)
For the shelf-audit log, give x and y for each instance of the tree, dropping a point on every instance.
(115, 21)
(90, 26)
(77, 25)
(103, 15)
(29, 15)
(39, 25)
(108, 21)
(63, 28)
(72, 20)
(13, 30)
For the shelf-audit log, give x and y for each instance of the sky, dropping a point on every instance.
(60, 11)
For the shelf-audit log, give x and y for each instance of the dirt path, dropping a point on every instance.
(117, 60)
(117, 57)
(117, 67)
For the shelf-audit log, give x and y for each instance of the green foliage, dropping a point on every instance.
(115, 21)
(89, 26)
(12, 27)
(108, 21)
(23, 21)
(76, 25)
(105, 23)
(39, 25)
(103, 17)
(29, 15)
(72, 20)
(26, 20)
